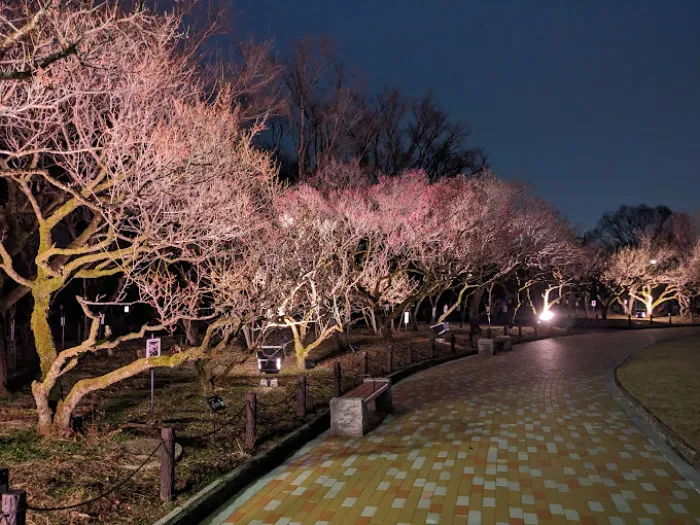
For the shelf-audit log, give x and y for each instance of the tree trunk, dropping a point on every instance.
(4, 372)
(86, 319)
(474, 306)
(41, 399)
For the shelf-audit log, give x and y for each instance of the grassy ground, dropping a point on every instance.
(60, 472)
(665, 378)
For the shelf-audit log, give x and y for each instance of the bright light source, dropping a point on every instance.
(279, 363)
(547, 315)
(653, 261)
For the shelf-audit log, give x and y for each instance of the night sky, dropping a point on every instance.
(595, 104)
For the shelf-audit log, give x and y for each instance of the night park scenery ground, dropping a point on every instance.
(240, 285)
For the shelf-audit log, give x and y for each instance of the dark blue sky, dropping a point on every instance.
(594, 103)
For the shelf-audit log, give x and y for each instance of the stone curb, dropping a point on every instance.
(217, 493)
(683, 458)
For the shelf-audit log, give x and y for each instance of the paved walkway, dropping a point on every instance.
(521, 438)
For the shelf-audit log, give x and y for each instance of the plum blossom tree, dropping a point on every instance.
(652, 273)
(120, 138)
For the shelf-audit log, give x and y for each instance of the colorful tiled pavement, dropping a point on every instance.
(527, 437)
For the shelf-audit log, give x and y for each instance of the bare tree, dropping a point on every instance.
(122, 134)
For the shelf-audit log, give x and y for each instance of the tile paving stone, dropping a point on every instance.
(526, 437)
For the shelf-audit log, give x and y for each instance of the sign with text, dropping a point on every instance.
(216, 403)
(153, 347)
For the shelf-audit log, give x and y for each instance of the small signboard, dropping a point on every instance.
(593, 303)
(126, 308)
(274, 383)
(102, 318)
(406, 317)
(153, 347)
(216, 403)
(444, 309)
(4, 480)
(263, 382)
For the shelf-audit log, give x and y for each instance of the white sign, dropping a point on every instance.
(406, 316)
(126, 308)
(593, 303)
(153, 347)
(102, 318)
(444, 309)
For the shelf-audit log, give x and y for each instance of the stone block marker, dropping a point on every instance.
(485, 346)
(503, 343)
(350, 414)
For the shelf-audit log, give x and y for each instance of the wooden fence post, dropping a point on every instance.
(167, 464)
(301, 396)
(250, 409)
(520, 331)
(364, 365)
(337, 379)
(390, 359)
(14, 507)
(431, 352)
(453, 346)
(409, 354)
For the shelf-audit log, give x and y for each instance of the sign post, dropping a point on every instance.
(4, 480)
(102, 322)
(63, 329)
(406, 317)
(152, 350)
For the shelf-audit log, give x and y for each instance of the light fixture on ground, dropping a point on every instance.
(547, 315)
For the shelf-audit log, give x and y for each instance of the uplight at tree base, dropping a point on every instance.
(547, 315)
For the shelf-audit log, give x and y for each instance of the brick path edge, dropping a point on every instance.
(683, 458)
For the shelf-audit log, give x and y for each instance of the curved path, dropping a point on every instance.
(527, 437)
